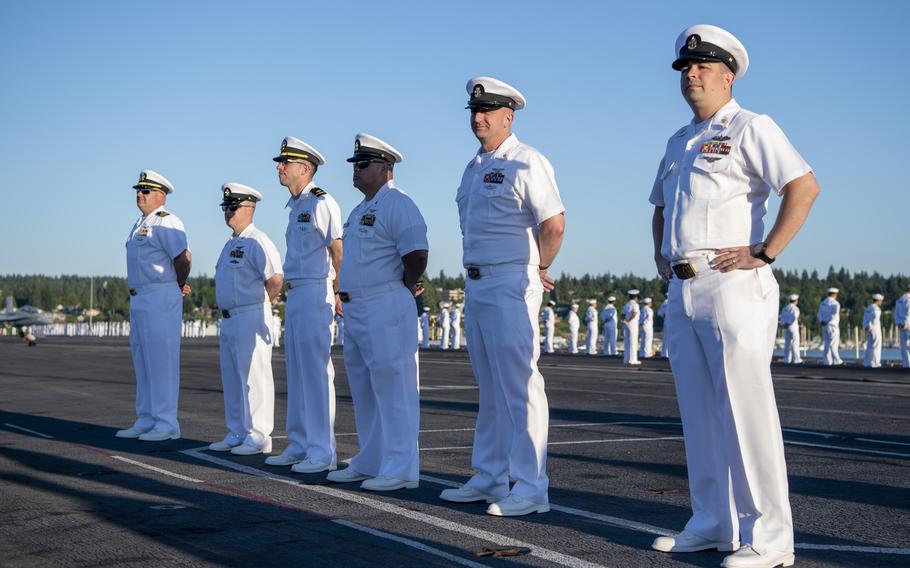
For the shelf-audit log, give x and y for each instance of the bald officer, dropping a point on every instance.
(574, 325)
(630, 318)
(647, 329)
(872, 325)
(157, 266)
(608, 317)
(248, 280)
(829, 318)
(591, 323)
(709, 198)
(902, 321)
(512, 225)
(789, 320)
(314, 251)
(385, 243)
(549, 324)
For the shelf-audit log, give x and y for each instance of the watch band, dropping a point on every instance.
(760, 254)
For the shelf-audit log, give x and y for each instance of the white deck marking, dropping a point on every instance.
(846, 449)
(157, 469)
(569, 443)
(412, 543)
(29, 431)
(849, 548)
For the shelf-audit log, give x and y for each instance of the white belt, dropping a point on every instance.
(225, 314)
(348, 294)
(297, 282)
(478, 272)
(146, 288)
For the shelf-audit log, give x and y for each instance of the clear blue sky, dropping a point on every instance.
(204, 92)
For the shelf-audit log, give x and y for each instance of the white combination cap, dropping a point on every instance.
(489, 93)
(234, 192)
(611, 298)
(574, 306)
(634, 292)
(293, 149)
(367, 147)
(835, 290)
(704, 42)
(426, 309)
(551, 303)
(793, 297)
(647, 300)
(150, 179)
(877, 297)
(592, 301)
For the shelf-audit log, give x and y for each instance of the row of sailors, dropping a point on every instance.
(449, 326)
(829, 318)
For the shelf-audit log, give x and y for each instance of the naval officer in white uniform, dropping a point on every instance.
(385, 244)
(710, 197)
(789, 320)
(512, 225)
(549, 324)
(314, 251)
(425, 328)
(592, 331)
(646, 322)
(456, 327)
(608, 317)
(630, 318)
(662, 314)
(872, 325)
(829, 318)
(157, 266)
(248, 280)
(574, 325)
(902, 321)
(445, 322)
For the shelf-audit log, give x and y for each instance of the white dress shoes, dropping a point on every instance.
(283, 459)
(385, 483)
(688, 542)
(131, 432)
(159, 436)
(346, 475)
(251, 450)
(748, 557)
(227, 444)
(312, 466)
(465, 494)
(516, 505)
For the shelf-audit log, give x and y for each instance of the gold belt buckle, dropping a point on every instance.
(684, 271)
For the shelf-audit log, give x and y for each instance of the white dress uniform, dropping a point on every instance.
(608, 317)
(549, 323)
(456, 328)
(339, 331)
(789, 318)
(829, 318)
(445, 322)
(872, 324)
(713, 184)
(574, 325)
(591, 336)
(662, 314)
(156, 308)
(246, 262)
(276, 330)
(314, 222)
(425, 330)
(630, 315)
(646, 321)
(902, 321)
(380, 354)
(503, 198)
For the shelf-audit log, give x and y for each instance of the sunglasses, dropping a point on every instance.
(146, 191)
(364, 164)
(234, 207)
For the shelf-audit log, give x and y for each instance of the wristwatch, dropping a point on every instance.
(758, 251)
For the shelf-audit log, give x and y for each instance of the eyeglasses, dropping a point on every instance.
(146, 191)
(233, 207)
(364, 164)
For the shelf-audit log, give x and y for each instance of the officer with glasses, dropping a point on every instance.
(158, 264)
(385, 255)
(248, 281)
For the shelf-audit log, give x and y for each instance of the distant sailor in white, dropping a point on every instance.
(789, 320)
(591, 323)
(647, 329)
(574, 324)
(829, 318)
(872, 325)
(608, 317)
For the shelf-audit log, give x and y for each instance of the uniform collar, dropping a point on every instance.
(502, 151)
(720, 120)
(306, 191)
(379, 194)
(246, 232)
(150, 215)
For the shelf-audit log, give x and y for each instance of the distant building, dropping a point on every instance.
(454, 295)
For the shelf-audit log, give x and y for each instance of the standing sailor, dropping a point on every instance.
(512, 226)
(157, 266)
(608, 317)
(902, 321)
(829, 318)
(574, 324)
(662, 314)
(630, 314)
(789, 319)
(872, 325)
(385, 243)
(248, 281)
(425, 328)
(311, 264)
(549, 324)
(456, 327)
(445, 321)
(647, 329)
(276, 327)
(710, 197)
(591, 323)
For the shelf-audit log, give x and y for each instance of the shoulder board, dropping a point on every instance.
(162, 213)
(318, 191)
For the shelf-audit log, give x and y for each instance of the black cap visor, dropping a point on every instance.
(705, 52)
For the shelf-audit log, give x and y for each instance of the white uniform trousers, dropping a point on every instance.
(155, 320)
(610, 338)
(456, 336)
(904, 339)
(308, 321)
(630, 342)
(647, 341)
(513, 416)
(246, 375)
(873, 355)
(722, 331)
(425, 333)
(381, 361)
(444, 340)
(591, 339)
(664, 343)
(548, 339)
(791, 345)
(831, 338)
(573, 340)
